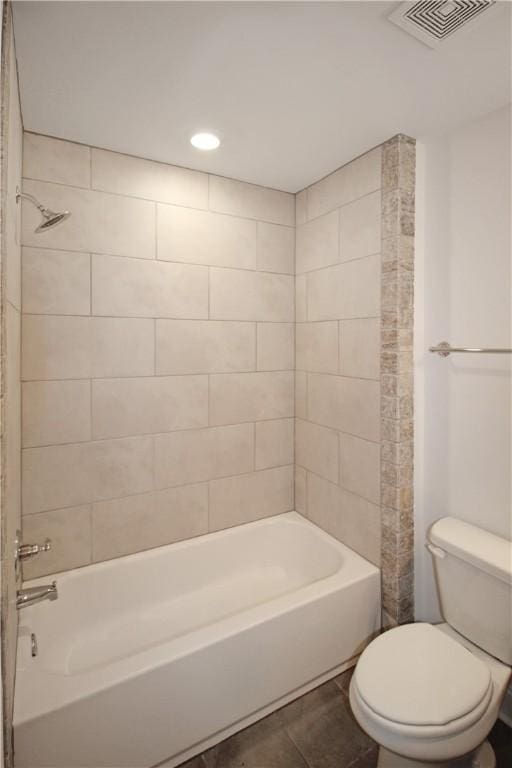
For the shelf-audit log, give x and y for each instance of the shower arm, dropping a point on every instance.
(20, 195)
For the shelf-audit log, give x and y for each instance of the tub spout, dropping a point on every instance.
(33, 595)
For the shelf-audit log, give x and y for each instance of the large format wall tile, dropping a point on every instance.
(203, 454)
(301, 300)
(301, 394)
(56, 282)
(360, 348)
(202, 237)
(158, 327)
(274, 443)
(316, 449)
(349, 405)
(55, 347)
(239, 397)
(241, 499)
(276, 248)
(123, 407)
(360, 227)
(317, 347)
(347, 290)
(317, 243)
(127, 175)
(360, 467)
(300, 489)
(70, 534)
(353, 313)
(346, 516)
(123, 526)
(248, 200)
(197, 346)
(122, 346)
(100, 223)
(358, 178)
(62, 162)
(136, 288)
(276, 346)
(69, 475)
(241, 295)
(80, 347)
(56, 412)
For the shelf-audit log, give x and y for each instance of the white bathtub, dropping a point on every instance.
(156, 656)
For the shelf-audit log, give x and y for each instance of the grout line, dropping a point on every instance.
(334, 264)
(91, 532)
(153, 260)
(154, 351)
(167, 318)
(155, 224)
(339, 206)
(208, 523)
(156, 488)
(209, 291)
(338, 243)
(153, 463)
(141, 199)
(339, 353)
(91, 412)
(338, 319)
(209, 403)
(342, 487)
(244, 372)
(90, 287)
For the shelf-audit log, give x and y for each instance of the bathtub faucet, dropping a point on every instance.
(33, 595)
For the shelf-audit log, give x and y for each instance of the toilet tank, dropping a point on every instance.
(474, 578)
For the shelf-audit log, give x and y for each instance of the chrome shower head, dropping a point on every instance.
(50, 218)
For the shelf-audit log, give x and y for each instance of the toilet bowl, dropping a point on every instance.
(428, 696)
(426, 693)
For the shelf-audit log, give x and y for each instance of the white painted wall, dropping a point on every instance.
(463, 295)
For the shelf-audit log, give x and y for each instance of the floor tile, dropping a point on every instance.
(324, 730)
(501, 740)
(263, 745)
(368, 759)
(196, 762)
(343, 680)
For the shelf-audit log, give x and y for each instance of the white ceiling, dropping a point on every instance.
(293, 89)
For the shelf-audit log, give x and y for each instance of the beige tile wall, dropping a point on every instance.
(338, 346)
(11, 159)
(158, 354)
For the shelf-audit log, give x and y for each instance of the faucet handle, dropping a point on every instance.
(30, 550)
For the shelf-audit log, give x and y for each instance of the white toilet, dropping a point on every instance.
(429, 695)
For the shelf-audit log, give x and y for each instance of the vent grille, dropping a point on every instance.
(432, 21)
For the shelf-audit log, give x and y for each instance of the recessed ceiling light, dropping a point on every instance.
(205, 141)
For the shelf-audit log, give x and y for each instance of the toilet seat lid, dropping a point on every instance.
(417, 675)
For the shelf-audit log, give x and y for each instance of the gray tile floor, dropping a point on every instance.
(315, 731)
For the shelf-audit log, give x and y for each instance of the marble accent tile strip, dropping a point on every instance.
(397, 312)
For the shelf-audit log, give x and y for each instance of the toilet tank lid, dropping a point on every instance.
(480, 548)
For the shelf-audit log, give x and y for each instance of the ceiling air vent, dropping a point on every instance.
(432, 21)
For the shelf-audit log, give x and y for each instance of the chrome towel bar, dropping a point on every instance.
(443, 349)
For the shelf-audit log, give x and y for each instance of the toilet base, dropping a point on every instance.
(483, 757)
